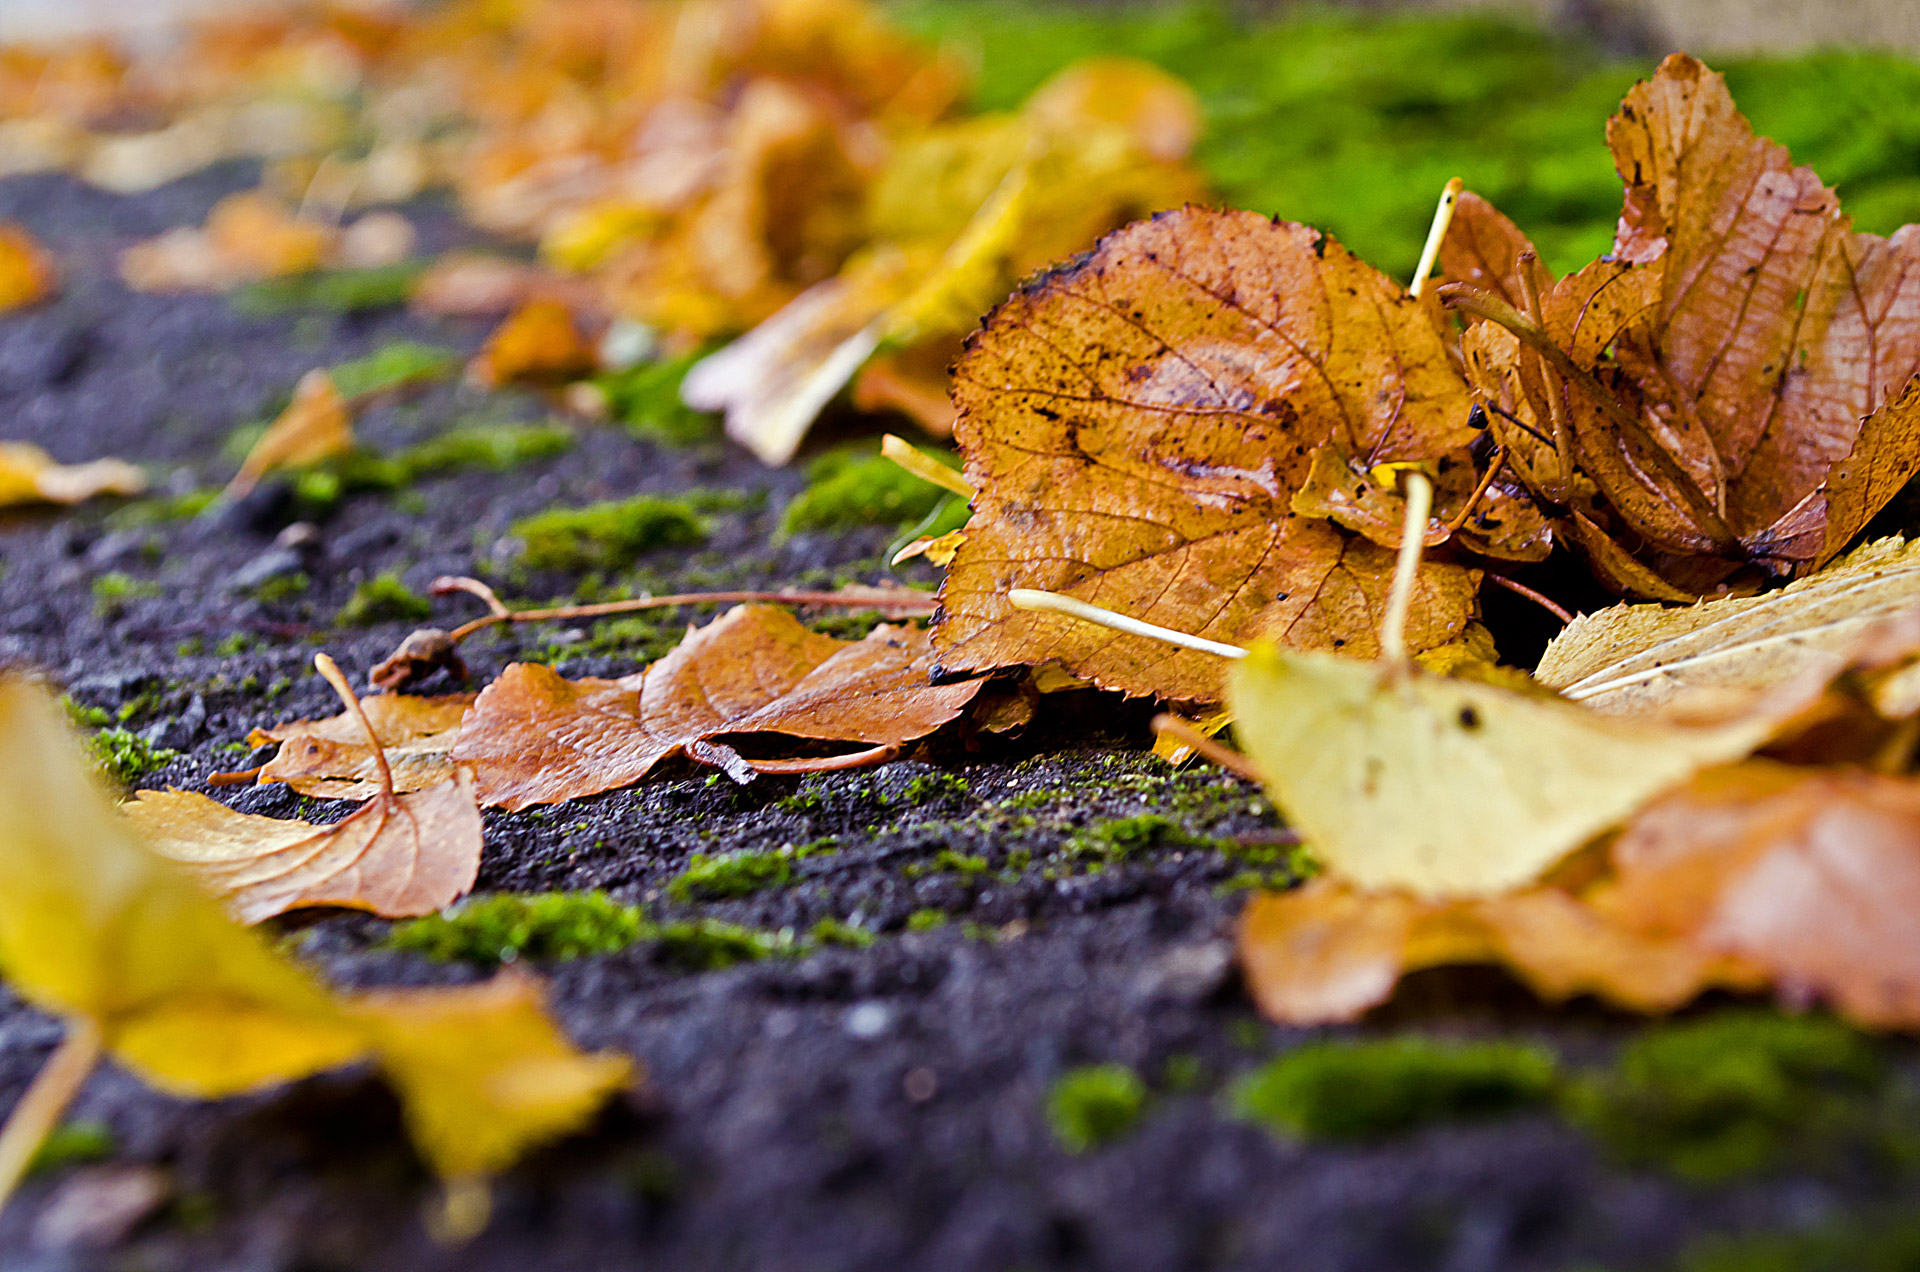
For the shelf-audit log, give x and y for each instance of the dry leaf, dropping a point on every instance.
(332, 758)
(1636, 659)
(248, 236)
(535, 738)
(1138, 424)
(316, 425)
(539, 342)
(396, 856)
(27, 274)
(1328, 952)
(1398, 778)
(1734, 379)
(30, 475)
(96, 927)
(1813, 875)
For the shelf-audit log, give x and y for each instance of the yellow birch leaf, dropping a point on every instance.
(317, 424)
(30, 475)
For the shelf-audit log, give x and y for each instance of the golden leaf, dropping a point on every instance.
(316, 425)
(30, 475)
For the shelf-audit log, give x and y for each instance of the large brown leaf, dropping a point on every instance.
(1139, 423)
(1738, 393)
(333, 758)
(536, 738)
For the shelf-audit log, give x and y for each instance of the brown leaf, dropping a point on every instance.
(1811, 874)
(397, 855)
(535, 738)
(333, 759)
(316, 425)
(1138, 424)
(1735, 376)
(539, 342)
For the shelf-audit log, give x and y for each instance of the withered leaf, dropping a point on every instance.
(1638, 659)
(1811, 874)
(396, 856)
(30, 475)
(1139, 424)
(1398, 778)
(316, 425)
(539, 342)
(27, 274)
(1328, 952)
(332, 758)
(1735, 384)
(535, 738)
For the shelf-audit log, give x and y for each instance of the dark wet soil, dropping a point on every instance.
(832, 1108)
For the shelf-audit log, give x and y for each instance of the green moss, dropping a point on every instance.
(493, 447)
(937, 786)
(607, 536)
(161, 510)
(234, 644)
(731, 874)
(854, 625)
(346, 291)
(926, 920)
(1094, 1105)
(503, 929)
(646, 399)
(706, 945)
(832, 931)
(283, 587)
(73, 1144)
(947, 860)
(383, 599)
(126, 757)
(1876, 1243)
(855, 488)
(113, 590)
(1359, 1089)
(1122, 838)
(1730, 1094)
(393, 366)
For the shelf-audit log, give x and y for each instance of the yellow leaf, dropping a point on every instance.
(1633, 659)
(1448, 787)
(26, 272)
(30, 475)
(316, 425)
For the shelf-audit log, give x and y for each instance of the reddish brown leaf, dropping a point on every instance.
(535, 738)
(333, 759)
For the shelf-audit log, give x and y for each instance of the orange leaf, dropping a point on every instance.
(535, 738)
(316, 425)
(539, 342)
(1139, 424)
(26, 271)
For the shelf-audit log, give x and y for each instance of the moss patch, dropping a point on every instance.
(607, 536)
(73, 1144)
(646, 400)
(113, 591)
(345, 291)
(731, 874)
(394, 366)
(383, 599)
(856, 488)
(1361, 1089)
(1095, 1105)
(1882, 1243)
(1122, 838)
(1731, 1094)
(707, 945)
(504, 929)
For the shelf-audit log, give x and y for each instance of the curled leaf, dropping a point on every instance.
(333, 759)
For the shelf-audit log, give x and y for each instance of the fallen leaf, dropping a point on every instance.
(27, 274)
(30, 475)
(1735, 378)
(535, 738)
(1138, 424)
(1811, 874)
(1397, 778)
(398, 855)
(1639, 659)
(332, 759)
(316, 425)
(95, 927)
(539, 342)
(248, 237)
(1329, 952)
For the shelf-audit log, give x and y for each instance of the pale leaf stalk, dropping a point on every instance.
(1393, 626)
(46, 1100)
(1205, 747)
(906, 605)
(924, 466)
(1436, 234)
(330, 671)
(1026, 598)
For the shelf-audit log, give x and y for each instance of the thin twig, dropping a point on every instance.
(904, 606)
(330, 671)
(1205, 747)
(1546, 603)
(829, 763)
(1436, 234)
(1027, 598)
(1393, 626)
(40, 1109)
(1479, 492)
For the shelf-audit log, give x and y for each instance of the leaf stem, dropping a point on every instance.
(924, 466)
(1436, 234)
(40, 1109)
(331, 673)
(1205, 747)
(906, 605)
(1393, 626)
(1027, 598)
(1544, 601)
